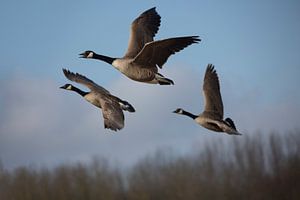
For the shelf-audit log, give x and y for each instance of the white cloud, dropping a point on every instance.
(42, 124)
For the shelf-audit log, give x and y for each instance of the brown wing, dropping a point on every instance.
(158, 52)
(143, 30)
(113, 115)
(78, 78)
(212, 95)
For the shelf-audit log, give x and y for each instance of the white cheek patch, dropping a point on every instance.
(180, 111)
(69, 87)
(91, 54)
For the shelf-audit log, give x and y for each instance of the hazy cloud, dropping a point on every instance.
(43, 125)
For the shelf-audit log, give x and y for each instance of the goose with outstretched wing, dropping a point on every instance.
(144, 56)
(112, 106)
(212, 116)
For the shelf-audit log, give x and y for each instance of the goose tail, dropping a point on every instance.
(126, 106)
(230, 123)
(233, 130)
(163, 80)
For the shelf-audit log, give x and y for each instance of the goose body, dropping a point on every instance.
(144, 56)
(112, 106)
(212, 116)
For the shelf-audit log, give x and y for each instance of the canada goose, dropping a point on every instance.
(212, 116)
(144, 56)
(111, 106)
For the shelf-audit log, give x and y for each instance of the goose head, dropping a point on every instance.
(179, 111)
(87, 54)
(67, 87)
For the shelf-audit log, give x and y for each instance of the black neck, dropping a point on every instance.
(106, 59)
(189, 114)
(82, 93)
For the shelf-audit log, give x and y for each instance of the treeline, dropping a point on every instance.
(256, 167)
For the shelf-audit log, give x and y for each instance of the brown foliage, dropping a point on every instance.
(256, 167)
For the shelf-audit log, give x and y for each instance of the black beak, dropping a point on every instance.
(82, 55)
(62, 87)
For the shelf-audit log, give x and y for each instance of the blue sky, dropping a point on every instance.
(255, 46)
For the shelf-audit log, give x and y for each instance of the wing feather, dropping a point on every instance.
(212, 95)
(112, 114)
(143, 30)
(156, 53)
(78, 78)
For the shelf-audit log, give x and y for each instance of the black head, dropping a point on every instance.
(87, 54)
(178, 111)
(67, 87)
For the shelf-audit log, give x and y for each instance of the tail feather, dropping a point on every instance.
(126, 106)
(163, 80)
(230, 123)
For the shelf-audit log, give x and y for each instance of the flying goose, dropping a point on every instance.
(144, 56)
(111, 105)
(212, 116)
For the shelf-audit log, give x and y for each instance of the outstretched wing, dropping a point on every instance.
(211, 90)
(143, 30)
(113, 115)
(78, 78)
(158, 52)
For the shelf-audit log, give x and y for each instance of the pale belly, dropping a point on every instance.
(139, 74)
(215, 125)
(136, 72)
(91, 98)
(208, 123)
